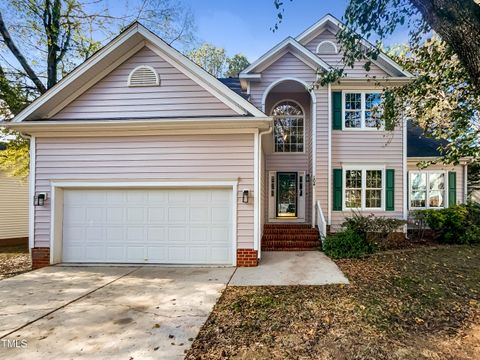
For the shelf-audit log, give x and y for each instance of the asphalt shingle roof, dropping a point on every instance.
(419, 145)
(234, 84)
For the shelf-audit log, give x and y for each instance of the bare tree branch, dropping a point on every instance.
(19, 56)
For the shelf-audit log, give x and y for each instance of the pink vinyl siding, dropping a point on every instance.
(378, 148)
(459, 169)
(336, 59)
(147, 158)
(177, 95)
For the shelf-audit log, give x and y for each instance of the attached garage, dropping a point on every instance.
(147, 225)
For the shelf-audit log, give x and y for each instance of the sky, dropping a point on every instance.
(243, 26)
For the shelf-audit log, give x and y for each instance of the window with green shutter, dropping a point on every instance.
(452, 188)
(390, 190)
(337, 110)
(337, 189)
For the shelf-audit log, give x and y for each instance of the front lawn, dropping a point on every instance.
(412, 304)
(14, 260)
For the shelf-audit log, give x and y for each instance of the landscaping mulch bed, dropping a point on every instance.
(14, 260)
(420, 303)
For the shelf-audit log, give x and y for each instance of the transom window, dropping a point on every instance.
(360, 110)
(427, 189)
(363, 189)
(289, 122)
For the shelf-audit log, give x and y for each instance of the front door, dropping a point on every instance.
(286, 194)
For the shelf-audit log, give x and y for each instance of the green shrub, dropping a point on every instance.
(375, 228)
(347, 244)
(454, 225)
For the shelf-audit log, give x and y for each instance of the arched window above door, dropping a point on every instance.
(288, 127)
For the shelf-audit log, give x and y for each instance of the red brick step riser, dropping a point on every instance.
(288, 249)
(290, 238)
(291, 226)
(290, 231)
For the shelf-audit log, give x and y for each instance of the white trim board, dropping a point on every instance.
(31, 186)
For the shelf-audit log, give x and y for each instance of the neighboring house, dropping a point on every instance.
(13, 209)
(143, 157)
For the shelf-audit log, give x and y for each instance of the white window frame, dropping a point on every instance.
(427, 192)
(363, 169)
(304, 128)
(362, 110)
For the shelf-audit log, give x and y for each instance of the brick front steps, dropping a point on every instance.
(290, 237)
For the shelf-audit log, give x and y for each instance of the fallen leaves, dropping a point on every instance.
(14, 261)
(402, 304)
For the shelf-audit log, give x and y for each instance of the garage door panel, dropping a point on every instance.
(156, 215)
(157, 253)
(220, 215)
(115, 215)
(199, 215)
(176, 226)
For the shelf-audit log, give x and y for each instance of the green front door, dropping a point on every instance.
(286, 194)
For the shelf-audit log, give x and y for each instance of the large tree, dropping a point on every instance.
(43, 40)
(443, 53)
(210, 57)
(236, 64)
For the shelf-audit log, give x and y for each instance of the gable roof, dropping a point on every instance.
(112, 55)
(287, 45)
(329, 21)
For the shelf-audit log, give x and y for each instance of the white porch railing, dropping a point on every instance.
(322, 224)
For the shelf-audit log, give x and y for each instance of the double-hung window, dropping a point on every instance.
(427, 189)
(363, 188)
(361, 110)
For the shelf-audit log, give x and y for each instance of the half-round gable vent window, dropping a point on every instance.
(143, 76)
(326, 47)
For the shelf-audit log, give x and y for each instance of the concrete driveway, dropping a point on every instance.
(106, 312)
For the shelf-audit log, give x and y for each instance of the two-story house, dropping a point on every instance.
(140, 156)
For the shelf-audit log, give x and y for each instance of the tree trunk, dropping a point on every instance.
(458, 23)
(51, 21)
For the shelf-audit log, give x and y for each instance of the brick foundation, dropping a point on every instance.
(247, 257)
(40, 257)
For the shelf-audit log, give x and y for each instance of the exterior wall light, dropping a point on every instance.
(39, 200)
(245, 196)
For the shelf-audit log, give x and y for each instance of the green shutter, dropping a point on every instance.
(390, 190)
(452, 188)
(337, 110)
(337, 189)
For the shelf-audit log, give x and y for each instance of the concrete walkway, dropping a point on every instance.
(290, 268)
(106, 312)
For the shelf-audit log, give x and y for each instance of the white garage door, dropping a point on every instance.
(174, 226)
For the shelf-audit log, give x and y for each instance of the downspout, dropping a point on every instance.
(259, 176)
(465, 183)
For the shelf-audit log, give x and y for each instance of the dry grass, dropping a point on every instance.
(14, 260)
(414, 304)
